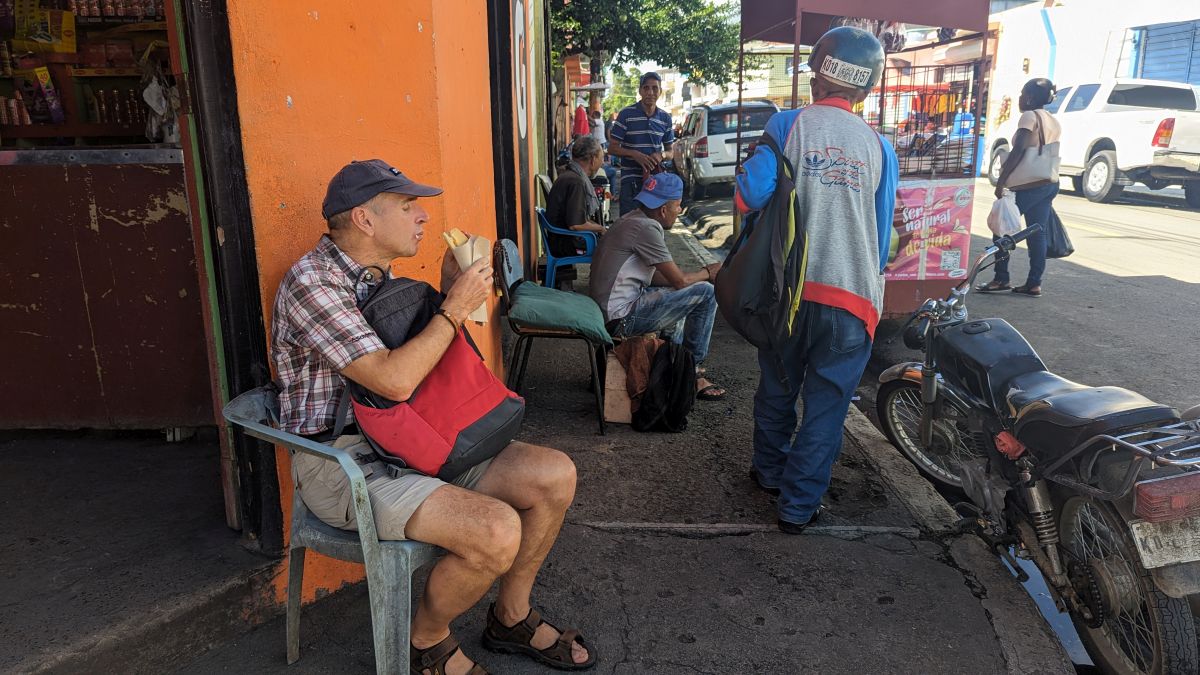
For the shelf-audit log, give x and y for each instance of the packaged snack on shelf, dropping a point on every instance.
(119, 53)
(45, 31)
(93, 55)
(40, 96)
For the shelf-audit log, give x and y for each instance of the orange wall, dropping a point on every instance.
(326, 81)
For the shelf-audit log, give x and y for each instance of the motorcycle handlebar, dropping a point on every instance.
(1009, 242)
(923, 327)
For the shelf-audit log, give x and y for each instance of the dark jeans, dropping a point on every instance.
(1034, 204)
(686, 314)
(629, 189)
(822, 364)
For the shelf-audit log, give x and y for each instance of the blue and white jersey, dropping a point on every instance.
(633, 129)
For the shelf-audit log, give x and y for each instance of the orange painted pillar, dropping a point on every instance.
(328, 81)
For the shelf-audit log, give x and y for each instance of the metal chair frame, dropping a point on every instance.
(525, 337)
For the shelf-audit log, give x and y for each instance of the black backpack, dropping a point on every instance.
(762, 279)
(670, 390)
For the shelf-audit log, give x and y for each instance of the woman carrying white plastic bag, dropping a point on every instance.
(1005, 217)
(1031, 173)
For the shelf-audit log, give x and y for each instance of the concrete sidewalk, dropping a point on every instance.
(670, 562)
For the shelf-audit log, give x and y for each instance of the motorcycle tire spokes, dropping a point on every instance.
(900, 414)
(1143, 630)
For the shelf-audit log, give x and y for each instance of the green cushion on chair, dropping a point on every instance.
(536, 306)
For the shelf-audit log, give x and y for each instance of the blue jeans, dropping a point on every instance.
(686, 314)
(823, 363)
(1034, 204)
(629, 189)
(611, 172)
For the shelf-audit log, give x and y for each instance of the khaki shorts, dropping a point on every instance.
(326, 489)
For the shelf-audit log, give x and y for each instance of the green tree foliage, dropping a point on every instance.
(698, 37)
(624, 91)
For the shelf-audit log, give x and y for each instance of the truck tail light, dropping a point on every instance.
(700, 149)
(1162, 135)
(1170, 498)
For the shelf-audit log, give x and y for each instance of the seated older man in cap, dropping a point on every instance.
(639, 287)
(497, 520)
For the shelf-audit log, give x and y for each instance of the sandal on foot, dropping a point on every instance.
(435, 658)
(516, 640)
(1025, 290)
(706, 394)
(993, 287)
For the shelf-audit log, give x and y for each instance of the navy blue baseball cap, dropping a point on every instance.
(660, 189)
(358, 182)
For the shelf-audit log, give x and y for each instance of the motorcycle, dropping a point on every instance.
(1098, 486)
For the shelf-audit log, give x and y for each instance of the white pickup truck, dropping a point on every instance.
(1118, 132)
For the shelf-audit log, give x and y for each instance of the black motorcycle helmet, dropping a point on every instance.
(848, 57)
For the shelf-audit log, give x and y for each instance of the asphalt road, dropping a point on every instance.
(1124, 310)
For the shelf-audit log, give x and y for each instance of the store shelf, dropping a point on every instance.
(87, 129)
(105, 72)
(115, 20)
(59, 57)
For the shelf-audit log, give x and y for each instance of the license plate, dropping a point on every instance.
(1169, 543)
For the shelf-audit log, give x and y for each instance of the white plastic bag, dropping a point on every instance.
(1005, 217)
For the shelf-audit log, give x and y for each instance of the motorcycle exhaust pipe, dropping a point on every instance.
(929, 393)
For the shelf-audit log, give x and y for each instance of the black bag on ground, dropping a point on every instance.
(670, 390)
(1058, 244)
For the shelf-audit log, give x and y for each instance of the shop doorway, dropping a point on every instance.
(121, 488)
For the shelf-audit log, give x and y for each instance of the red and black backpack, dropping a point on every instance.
(460, 415)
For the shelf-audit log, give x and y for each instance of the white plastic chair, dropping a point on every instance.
(390, 565)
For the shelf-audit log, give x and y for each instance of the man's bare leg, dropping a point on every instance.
(540, 484)
(481, 536)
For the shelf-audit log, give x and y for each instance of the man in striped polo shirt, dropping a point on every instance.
(641, 136)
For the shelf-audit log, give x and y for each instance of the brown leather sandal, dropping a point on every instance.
(516, 640)
(434, 659)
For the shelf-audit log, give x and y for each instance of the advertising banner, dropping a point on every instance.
(933, 219)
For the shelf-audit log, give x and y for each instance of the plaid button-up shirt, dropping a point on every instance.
(316, 331)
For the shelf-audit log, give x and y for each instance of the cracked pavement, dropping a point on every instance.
(725, 595)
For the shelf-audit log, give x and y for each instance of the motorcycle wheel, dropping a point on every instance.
(899, 408)
(1144, 630)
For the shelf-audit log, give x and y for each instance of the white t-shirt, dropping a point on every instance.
(598, 130)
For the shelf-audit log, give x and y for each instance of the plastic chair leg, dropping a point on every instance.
(551, 268)
(295, 597)
(389, 583)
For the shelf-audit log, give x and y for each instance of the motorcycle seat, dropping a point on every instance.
(1055, 414)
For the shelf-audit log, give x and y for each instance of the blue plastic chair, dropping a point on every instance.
(553, 263)
(390, 564)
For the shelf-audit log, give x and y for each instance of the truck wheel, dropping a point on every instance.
(698, 190)
(1191, 192)
(998, 158)
(1100, 178)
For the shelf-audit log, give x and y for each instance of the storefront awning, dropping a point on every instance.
(774, 20)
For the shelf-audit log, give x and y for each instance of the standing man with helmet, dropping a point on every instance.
(846, 177)
(641, 136)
